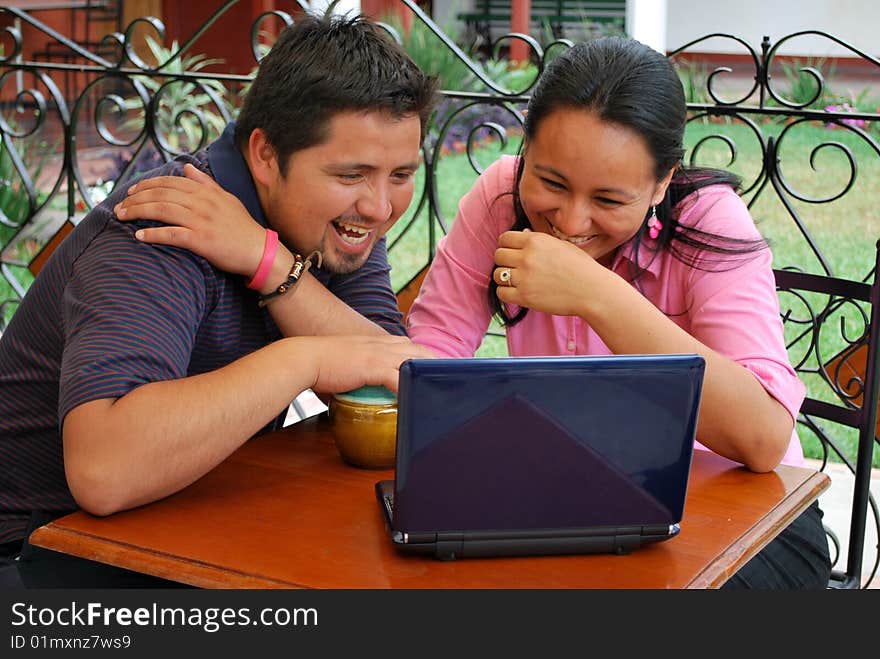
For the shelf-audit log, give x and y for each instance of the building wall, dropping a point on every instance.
(445, 10)
(854, 21)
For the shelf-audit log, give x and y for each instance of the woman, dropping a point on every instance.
(597, 240)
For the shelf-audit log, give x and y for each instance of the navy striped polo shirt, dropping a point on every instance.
(108, 313)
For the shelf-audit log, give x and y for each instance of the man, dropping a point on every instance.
(130, 369)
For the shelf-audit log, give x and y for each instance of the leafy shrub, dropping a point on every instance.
(694, 79)
(436, 58)
(176, 124)
(431, 54)
(803, 87)
(15, 207)
(518, 77)
(179, 100)
(864, 103)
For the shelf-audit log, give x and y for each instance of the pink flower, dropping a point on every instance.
(846, 107)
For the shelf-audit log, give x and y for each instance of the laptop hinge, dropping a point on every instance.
(624, 543)
(449, 546)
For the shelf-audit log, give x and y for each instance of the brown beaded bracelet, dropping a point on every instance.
(300, 267)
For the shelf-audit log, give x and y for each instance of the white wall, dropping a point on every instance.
(854, 21)
(345, 6)
(646, 21)
(445, 10)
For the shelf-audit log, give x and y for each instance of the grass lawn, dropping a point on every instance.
(845, 230)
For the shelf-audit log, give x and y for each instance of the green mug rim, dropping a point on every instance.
(368, 395)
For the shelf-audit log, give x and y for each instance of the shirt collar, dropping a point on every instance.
(231, 171)
(649, 258)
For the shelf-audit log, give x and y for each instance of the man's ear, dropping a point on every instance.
(262, 158)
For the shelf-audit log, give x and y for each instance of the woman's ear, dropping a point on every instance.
(262, 158)
(660, 191)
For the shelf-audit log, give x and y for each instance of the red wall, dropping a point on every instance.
(379, 8)
(229, 37)
(67, 22)
(63, 21)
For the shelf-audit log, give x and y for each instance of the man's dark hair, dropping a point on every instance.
(321, 66)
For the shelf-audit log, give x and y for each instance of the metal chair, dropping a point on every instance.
(819, 313)
(407, 295)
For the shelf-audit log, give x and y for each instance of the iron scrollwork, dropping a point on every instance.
(125, 105)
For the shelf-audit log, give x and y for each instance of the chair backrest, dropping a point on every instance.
(47, 250)
(833, 336)
(407, 295)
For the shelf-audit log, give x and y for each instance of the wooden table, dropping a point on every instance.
(285, 512)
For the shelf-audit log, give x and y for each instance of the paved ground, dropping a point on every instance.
(836, 503)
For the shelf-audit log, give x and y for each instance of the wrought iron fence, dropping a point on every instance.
(809, 158)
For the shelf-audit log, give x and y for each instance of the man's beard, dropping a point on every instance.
(338, 262)
(343, 264)
(334, 260)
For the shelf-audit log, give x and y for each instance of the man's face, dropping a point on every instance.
(342, 195)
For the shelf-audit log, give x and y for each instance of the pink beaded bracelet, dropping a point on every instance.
(269, 250)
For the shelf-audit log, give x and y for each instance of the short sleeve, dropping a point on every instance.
(131, 313)
(733, 305)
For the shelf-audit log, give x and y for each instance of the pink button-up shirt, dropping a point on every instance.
(731, 306)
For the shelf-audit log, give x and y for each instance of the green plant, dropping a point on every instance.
(597, 28)
(15, 206)
(803, 86)
(18, 246)
(863, 102)
(177, 99)
(517, 77)
(694, 79)
(432, 55)
(263, 48)
(545, 34)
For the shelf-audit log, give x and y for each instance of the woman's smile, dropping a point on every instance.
(575, 240)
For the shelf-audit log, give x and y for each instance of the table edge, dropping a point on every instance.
(154, 563)
(759, 536)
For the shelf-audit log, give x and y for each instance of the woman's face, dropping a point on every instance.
(588, 182)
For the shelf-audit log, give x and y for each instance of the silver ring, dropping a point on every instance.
(504, 276)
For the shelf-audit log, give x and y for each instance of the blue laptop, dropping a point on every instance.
(541, 455)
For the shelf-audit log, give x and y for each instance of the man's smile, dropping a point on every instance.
(352, 234)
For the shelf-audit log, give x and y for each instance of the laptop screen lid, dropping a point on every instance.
(543, 444)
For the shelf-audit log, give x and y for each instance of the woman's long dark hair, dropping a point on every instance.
(626, 83)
